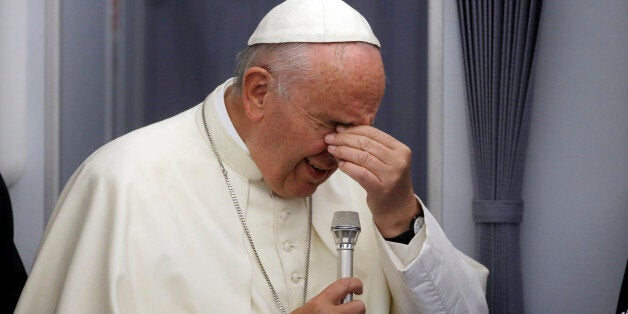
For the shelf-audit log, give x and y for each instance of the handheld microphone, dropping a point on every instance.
(346, 227)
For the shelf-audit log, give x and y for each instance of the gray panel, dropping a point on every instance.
(82, 117)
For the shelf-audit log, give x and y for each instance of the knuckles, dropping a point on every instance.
(363, 157)
(365, 143)
(374, 133)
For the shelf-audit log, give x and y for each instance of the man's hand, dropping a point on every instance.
(328, 301)
(381, 165)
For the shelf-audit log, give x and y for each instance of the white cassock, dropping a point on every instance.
(146, 225)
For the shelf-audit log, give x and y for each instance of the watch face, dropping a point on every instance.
(418, 224)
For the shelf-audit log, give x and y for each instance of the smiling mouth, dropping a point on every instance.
(319, 168)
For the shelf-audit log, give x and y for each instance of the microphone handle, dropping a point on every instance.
(345, 268)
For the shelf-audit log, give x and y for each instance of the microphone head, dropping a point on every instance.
(346, 219)
(346, 227)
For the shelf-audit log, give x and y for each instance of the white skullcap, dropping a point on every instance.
(315, 21)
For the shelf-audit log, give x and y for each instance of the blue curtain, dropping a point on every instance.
(498, 40)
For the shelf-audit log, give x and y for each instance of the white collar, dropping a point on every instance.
(221, 110)
(231, 152)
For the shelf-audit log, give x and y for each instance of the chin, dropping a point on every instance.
(302, 191)
(308, 189)
(302, 188)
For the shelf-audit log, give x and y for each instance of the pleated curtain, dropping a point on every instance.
(498, 40)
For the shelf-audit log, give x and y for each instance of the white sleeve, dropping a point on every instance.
(429, 275)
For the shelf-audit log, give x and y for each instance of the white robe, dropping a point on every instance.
(146, 225)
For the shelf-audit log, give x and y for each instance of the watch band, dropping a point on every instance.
(415, 226)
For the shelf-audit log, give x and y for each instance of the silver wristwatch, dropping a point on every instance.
(418, 223)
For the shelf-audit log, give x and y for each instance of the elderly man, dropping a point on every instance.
(227, 207)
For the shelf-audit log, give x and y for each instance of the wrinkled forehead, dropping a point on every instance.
(347, 54)
(345, 91)
(353, 113)
(352, 64)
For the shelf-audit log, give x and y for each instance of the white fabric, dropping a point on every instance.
(223, 115)
(146, 225)
(319, 21)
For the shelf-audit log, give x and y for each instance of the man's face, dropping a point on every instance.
(288, 146)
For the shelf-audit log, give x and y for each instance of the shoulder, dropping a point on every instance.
(138, 168)
(152, 146)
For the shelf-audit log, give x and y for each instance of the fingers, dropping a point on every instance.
(341, 288)
(365, 177)
(371, 133)
(355, 306)
(369, 155)
(328, 301)
(366, 146)
(359, 148)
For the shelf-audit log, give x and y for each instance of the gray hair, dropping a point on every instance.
(287, 62)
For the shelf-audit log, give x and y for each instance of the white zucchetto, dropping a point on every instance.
(315, 21)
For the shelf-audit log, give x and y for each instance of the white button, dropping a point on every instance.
(287, 246)
(285, 214)
(296, 277)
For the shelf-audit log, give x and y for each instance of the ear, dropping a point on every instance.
(255, 89)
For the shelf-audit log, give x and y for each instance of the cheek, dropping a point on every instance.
(298, 139)
(314, 144)
(308, 141)
(302, 148)
(320, 146)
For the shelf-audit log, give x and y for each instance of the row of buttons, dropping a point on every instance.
(288, 246)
